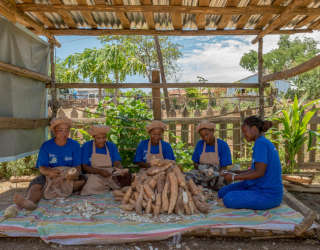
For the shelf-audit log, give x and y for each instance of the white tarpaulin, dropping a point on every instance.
(22, 97)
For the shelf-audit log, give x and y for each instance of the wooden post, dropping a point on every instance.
(223, 126)
(54, 100)
(184, 127)
(156, 101)
(260, 75)
(236, 139)
(172, 126)
(163, 77)
(242, 149)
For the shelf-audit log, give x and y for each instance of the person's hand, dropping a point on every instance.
(120, 172)
(227, 176)
(104, 173)
(53, 172)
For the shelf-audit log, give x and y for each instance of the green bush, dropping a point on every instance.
(23, 166)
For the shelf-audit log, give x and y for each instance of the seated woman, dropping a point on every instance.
(98, 158)
(260, 187)
(55, 155)
(155, 147)
(211, 154)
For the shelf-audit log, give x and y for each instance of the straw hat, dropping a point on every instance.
(205, 124)
(57, 121)
(156, 124)
(98, 130)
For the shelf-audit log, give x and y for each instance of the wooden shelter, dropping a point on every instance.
(177, 17)
(52, 18)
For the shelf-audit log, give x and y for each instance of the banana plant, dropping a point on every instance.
(294, 132)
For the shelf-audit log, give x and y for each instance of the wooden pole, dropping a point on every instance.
(260, 75)
(156, 101)
(6, 67)
(301, 68)
(163, 77)
(53, 82)
(101, 32)
(185, 127)
(155, 85)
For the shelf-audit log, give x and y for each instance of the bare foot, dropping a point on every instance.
(21, 202)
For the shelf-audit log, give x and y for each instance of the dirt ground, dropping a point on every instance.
(7, 190)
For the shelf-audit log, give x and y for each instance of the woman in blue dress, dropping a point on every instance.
(260, 187)
(155, 147)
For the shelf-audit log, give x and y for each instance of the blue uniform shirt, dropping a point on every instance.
(141, 152)
(86, 152)
(264, 151)
(223, 152)
(52, 155)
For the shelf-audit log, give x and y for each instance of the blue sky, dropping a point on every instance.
(214, 57)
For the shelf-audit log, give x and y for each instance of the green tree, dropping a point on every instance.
(289, 53)
(111, 63)
(146, 52)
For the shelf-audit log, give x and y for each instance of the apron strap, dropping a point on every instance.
(149, 147)
(107, 151)
(160, 148)
(204, 147)
(93, 147)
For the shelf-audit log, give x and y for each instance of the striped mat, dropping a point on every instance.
(51, 223)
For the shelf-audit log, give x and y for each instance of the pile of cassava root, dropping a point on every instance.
(162, 189)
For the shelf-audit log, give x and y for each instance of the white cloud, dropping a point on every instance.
(218, 60)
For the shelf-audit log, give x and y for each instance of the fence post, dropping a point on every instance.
(156, 102)
(241, 146)
(236, 139)
(172, 126)
(196, 135)
(222, 127)
(74, 113)
(209, 111)
(185, 127)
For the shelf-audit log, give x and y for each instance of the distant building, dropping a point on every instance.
(281, 85)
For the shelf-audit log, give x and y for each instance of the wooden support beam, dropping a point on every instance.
(24, 72)
(304, 67)
(101, 32)
(249, 10)
(41, 16)
(201, 18)
(148, 15)
(315, 25)
(12, 10)
(260, 75)
(225, 19)
(122, 15)
(154, 85)
(66, 16)
(266, 18)
(245, 16)
(305, 22)
(308, 213)
(156, 100)
(55, 103)
(20, 123)
(87, 15)
(284, 18)
(176, 17)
